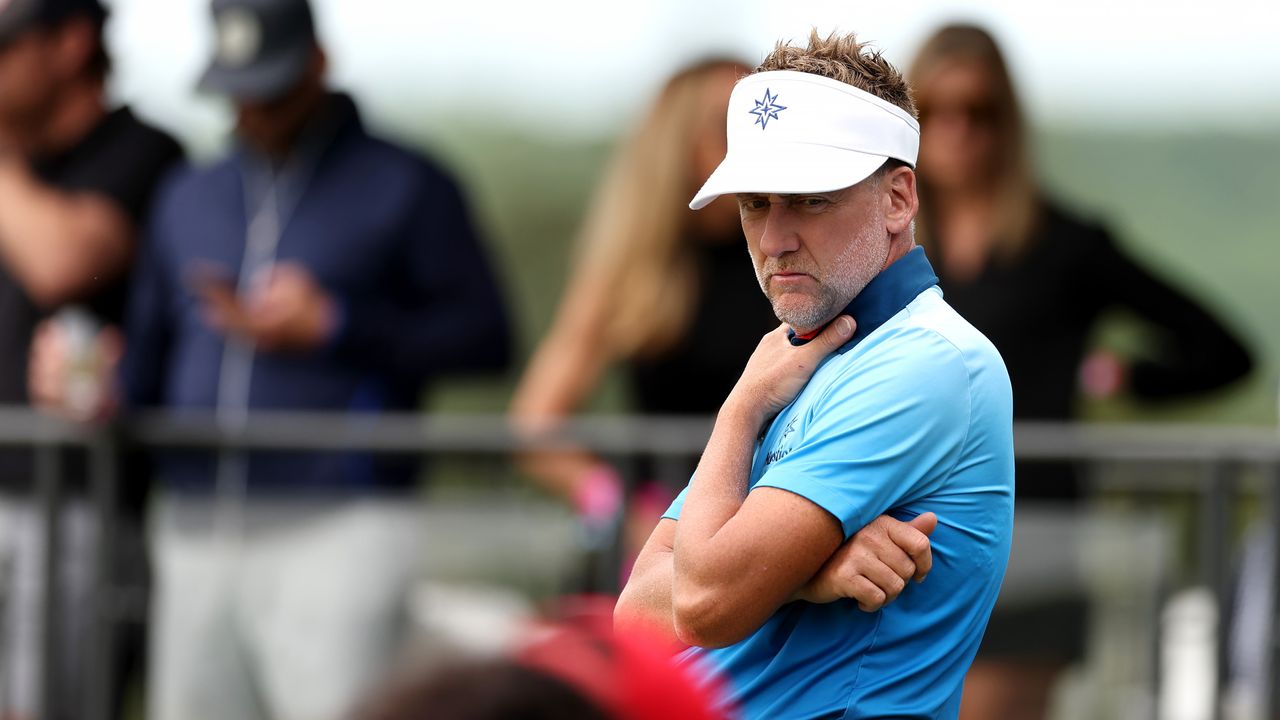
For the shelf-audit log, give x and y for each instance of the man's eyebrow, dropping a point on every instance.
(791, 196)
(830, 194)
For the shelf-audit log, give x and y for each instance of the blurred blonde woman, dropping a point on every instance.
(662, 290)
(1035, 279)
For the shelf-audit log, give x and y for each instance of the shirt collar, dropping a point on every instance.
(887, 294)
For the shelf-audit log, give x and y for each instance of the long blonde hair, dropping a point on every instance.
(1017, 194)
(634, 251)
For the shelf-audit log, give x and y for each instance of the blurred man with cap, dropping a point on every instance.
(76, 178)
(316, 268)
(874, 397)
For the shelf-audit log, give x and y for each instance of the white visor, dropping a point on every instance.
(795, 132)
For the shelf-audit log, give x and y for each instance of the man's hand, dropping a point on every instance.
(1103, 375)
(77, 383)
(285, 310)
(873, 567)
(778, 370)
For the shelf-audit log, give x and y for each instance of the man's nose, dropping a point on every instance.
(780, 234)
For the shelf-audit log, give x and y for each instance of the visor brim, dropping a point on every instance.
(787, 169)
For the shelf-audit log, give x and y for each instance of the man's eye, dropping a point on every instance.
(754, 204)
(812, 202)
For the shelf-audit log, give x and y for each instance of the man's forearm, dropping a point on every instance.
(56, 244)
(706, 563)
(645, 602)
(716, 494)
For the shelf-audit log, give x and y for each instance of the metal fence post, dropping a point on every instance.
(1218, 495)
(99, 668)
(1271, 699)
(48, 477)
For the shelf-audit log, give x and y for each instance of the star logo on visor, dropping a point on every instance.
(766, 109)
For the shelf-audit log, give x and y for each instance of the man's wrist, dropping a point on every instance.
(741, 412)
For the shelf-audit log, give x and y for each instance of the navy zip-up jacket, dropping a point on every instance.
(384, 231)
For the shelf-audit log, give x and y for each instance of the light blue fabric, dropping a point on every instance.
(916, 416)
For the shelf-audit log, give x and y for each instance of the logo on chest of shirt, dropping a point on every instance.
(778, 453)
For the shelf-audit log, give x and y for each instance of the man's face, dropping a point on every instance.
(26, 84)
(814, 253)
(960, 126)
(272, 126)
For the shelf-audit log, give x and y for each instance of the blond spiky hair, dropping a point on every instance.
(843, 58)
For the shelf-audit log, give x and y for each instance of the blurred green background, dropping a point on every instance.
(1161, 124)
(1199, 207)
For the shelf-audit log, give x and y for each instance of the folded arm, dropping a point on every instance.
(736, 556)
(59, 245)
(871, 568)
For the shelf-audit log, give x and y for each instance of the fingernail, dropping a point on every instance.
(844, 325)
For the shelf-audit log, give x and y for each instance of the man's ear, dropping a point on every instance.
(899, 186)
(76, 40)
(318, 66)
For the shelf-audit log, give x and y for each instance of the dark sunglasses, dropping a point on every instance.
(984, 113)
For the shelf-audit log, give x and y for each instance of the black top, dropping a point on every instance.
(695, 375)
(1041, 309)
(122, 159)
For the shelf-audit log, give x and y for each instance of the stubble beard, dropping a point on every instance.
(849, 273)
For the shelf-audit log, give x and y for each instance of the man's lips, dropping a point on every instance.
(791, 278)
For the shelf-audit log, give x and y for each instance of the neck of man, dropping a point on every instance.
(899, 246)
(77, 110)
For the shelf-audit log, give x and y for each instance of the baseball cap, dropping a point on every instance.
(796, 132)
(262, 47)
(19, 16)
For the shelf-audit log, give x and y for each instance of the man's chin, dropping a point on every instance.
(803, 317)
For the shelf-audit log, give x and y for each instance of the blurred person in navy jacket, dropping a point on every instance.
(313, 268)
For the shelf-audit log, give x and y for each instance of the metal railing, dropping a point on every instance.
(1222, 453)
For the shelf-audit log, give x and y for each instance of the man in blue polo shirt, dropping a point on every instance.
(873, 397)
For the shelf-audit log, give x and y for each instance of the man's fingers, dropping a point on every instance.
(912, 541)
(223, 310)
(222, 317)
(835, 334)
(898, 561)
(869, 597)
(885, 578)
(47, 364)
(924, 563)
(913, 538)
(924, 522)
(111, 346)
(219, 299)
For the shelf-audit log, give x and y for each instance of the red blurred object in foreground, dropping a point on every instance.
(632, 675)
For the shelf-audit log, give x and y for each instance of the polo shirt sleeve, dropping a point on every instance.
(888, 430)
(673, 512)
